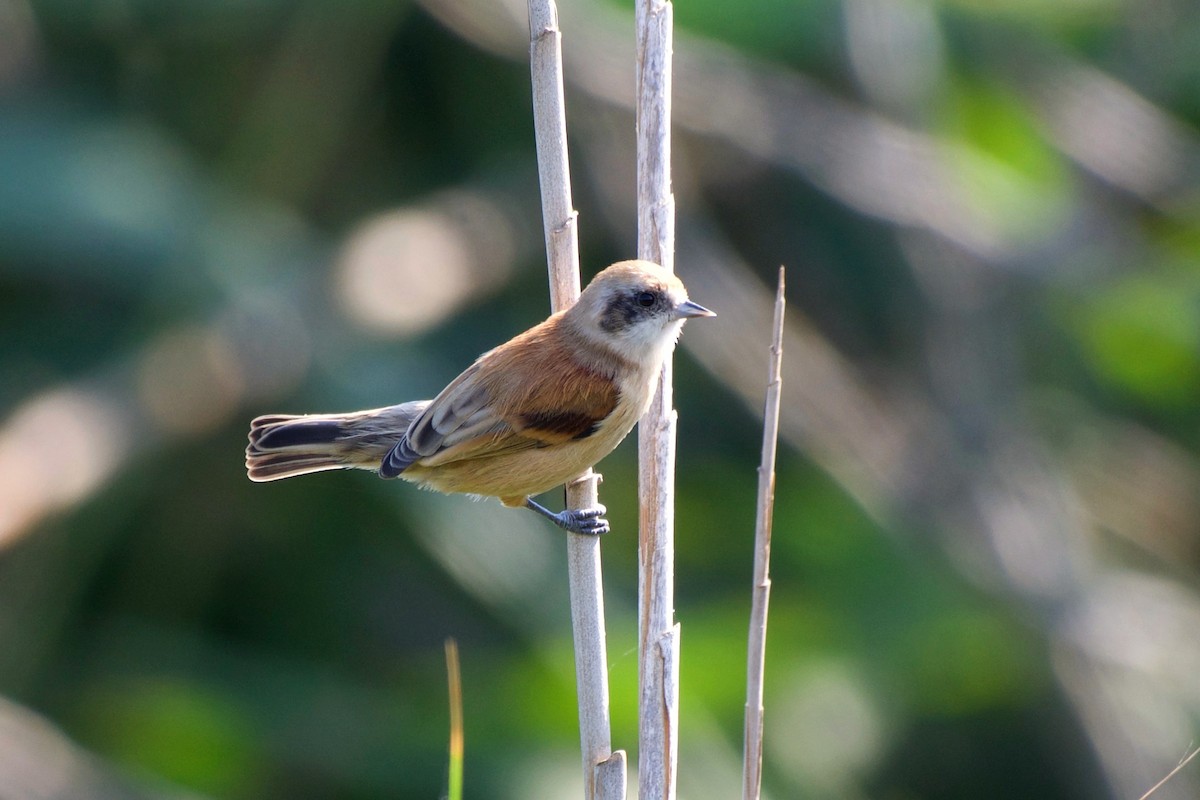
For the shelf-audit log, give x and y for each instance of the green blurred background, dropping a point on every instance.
(985, 560)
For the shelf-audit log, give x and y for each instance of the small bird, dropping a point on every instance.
(525, 417)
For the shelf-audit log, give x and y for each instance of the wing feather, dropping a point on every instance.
(529, 393)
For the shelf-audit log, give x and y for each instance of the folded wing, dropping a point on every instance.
(512, 398)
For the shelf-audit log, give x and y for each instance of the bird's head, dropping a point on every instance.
(637, 308)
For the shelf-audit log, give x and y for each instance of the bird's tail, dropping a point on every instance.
(282, 445)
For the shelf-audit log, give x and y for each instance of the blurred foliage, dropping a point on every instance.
(202, 204)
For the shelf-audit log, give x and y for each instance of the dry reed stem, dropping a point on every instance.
(757, 649)
(603, 770)
(658, 638)
(1183, 763)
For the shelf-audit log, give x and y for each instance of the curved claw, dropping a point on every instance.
(589, 521)
(586, 521)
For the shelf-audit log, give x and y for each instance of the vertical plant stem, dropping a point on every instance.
(454, 779)
(603, 770)
(757, 649)
(658, 646)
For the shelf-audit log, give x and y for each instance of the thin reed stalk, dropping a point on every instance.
(658, 633)
(757, 649)
(603, 770)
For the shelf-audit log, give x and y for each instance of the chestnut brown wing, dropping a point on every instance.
(530, 392)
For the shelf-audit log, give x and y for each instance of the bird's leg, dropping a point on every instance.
(589, 521)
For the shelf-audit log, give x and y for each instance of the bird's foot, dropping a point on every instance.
(587, 521)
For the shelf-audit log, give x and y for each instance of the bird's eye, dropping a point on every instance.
(646, 299)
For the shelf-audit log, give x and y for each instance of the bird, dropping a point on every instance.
(525, 417)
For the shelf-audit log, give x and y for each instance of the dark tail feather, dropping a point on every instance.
(282, 445)
(273, 467)
(300, 433)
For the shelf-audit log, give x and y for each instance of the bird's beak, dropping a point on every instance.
(688, 309)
